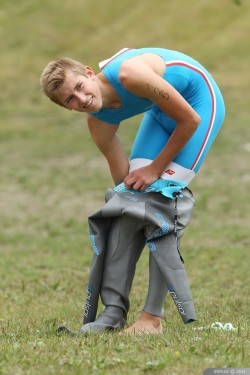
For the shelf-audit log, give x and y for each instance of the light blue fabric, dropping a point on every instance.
(194, 83)
(165, 187)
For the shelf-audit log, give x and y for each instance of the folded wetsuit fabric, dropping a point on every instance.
(119, 232)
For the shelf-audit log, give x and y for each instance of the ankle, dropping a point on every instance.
(153, 319)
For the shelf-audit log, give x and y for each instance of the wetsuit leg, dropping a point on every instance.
(124, 246)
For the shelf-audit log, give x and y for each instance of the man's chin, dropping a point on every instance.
(94, 110)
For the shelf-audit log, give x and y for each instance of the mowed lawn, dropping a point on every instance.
(52, 178)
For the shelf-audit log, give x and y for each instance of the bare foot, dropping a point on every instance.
(145, 324)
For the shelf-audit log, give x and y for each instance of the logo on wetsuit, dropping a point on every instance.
(176, 301)
(87, 302)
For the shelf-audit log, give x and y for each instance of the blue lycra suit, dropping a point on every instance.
(197, 87)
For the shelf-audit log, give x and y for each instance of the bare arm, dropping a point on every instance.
(104, 136)
(143, 77)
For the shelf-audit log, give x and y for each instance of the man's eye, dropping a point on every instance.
(79, 87)
(69, 99)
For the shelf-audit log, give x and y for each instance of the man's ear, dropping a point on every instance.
(89, 71)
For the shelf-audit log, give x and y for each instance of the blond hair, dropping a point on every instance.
(54, 74)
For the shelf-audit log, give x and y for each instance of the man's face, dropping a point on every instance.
(80, 93)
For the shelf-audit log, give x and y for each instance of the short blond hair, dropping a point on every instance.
(54, 74)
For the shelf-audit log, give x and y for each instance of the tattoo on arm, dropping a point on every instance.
(159, 92)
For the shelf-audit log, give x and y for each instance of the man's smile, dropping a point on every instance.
(88, 104)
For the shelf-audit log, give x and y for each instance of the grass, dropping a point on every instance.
(52, 178)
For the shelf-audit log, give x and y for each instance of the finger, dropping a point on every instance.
(129, 185)
(129, 178)
(137, 185)
(129, 182)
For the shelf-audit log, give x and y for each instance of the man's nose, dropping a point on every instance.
(81, 98)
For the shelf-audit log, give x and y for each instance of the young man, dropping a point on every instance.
(183, 112)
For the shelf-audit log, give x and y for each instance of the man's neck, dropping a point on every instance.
(109, 96)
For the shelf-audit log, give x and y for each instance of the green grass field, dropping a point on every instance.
(52, 178)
